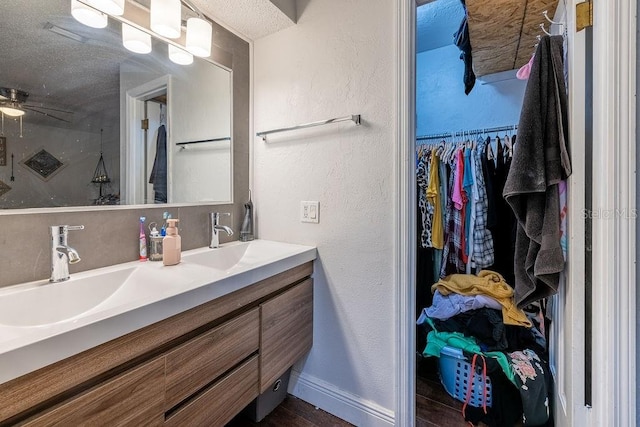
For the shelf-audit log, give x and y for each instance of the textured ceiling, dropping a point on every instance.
(252, 19)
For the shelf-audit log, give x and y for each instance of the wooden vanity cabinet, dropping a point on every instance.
(191, 367)
(170, 374)
(133, 398)
(286, 331)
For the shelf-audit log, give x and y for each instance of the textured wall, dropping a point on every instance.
(79, 151)
(110, 235)
(442, 106)
(338, 60)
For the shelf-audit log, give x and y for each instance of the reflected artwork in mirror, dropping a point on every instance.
(161, 131)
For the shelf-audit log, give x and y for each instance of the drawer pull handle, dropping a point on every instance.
(277, 385)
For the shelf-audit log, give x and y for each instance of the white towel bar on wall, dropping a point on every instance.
(354, 118)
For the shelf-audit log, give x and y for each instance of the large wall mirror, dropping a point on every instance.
(81, 140)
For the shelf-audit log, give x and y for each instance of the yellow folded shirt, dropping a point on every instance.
(487, 283)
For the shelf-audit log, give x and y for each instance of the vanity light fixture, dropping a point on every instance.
(199, 37)
(180, 56)
(11, 110)
(111, 7)
(88, 15)
(135, 40)
(166, 17)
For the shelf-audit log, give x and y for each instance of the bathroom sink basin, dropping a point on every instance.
(223, 258)
(237, 256)
(43, 303)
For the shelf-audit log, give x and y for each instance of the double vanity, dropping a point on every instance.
(145, 344)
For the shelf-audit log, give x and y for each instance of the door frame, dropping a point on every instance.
(132, 138)
(614, 211)
(404, 215)
(614, 253)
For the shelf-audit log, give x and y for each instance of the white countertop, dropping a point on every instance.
(150, 293)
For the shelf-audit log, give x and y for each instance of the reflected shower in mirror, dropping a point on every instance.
(86, 98)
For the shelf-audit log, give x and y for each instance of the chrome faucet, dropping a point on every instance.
(61, 253)
(216, 227)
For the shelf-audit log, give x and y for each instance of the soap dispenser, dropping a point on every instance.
(171, 244)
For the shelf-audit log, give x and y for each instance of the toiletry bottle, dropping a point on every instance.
(155, 243)
(246, 232)
(163, 230)
(142, 240)
(171, 244)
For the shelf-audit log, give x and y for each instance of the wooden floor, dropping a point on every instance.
(293, 412)
(434, 407)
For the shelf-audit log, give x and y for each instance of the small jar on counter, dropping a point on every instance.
(155, 243)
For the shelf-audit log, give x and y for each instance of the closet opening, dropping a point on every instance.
(489, 289)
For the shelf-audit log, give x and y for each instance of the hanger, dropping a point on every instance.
(162, 115)
(563, 27)
(440, 148)
(544, 30)
(490, 153)
(508, 144)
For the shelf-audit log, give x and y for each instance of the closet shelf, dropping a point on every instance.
(503, 32)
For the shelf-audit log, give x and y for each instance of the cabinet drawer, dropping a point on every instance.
(217, 405)
(132, 399)
(287, 331)
(201, 360)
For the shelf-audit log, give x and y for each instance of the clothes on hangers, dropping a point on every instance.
(455, 198)
(483, 251)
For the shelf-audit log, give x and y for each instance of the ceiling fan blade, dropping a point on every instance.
(45, 114)
(47, 108)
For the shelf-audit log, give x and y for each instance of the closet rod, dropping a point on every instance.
(467, 132)
(226, 138)
(355, 118)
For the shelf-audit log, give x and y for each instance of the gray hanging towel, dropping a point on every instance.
(540, 162)
(158, 175)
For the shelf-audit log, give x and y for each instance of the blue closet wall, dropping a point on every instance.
(442, 106)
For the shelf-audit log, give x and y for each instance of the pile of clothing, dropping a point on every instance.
(477, 314)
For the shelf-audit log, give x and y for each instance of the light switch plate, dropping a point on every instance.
(310, 211)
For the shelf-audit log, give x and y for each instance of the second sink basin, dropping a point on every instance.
(223, 258)
(44, 303)
(235, 256)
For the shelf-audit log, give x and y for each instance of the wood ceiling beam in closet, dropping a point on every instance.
(503, 32)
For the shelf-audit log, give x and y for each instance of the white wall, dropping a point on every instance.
(201, 111)
(79, 151)
(338, 60)
(442, 106)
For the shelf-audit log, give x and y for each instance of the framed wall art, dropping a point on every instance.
(42, 163)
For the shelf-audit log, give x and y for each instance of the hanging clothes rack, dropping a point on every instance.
(355, 118)
(466, 132)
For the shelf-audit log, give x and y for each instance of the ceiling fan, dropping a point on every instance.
(13, 104)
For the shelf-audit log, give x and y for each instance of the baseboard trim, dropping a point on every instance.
(342, 404)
